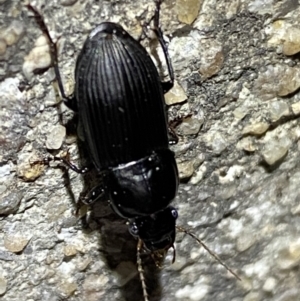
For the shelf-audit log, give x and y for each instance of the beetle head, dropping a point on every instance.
(157, 231)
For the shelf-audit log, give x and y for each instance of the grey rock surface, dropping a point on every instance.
(238, 66)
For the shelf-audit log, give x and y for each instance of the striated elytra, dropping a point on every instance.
(119, 98)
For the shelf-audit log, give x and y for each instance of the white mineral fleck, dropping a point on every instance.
(3, 285)
(56, 137)
(175, 95)
(274, 152)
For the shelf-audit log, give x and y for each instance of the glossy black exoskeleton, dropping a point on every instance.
(119, 98)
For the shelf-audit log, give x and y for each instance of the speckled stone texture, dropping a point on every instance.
(238, 74)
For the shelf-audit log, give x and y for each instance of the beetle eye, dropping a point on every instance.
(174, 213)
(133, 229)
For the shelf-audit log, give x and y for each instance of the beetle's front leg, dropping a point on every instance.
(97, 193)
(82, 170)
(66, 161)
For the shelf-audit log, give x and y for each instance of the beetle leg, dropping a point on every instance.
(173, 137)
(64, 161)
(96, 194)
(167, 86)
(68, 101)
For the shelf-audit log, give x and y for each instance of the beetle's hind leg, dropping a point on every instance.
(70, 102)
(168, 85)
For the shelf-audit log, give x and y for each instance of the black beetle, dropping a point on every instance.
(121, 105)
(119, 98)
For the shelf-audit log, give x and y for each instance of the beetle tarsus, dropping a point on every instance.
(173, 137)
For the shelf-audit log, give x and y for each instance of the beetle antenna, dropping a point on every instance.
(214, 255)
(53, 48)
(141, 270)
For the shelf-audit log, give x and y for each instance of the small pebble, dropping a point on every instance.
(198, 160)
(84, 264)
(67, 288)
(185, 169)
(56, 137)
(10, 202)
(265, 87)
(274, 153)
(256, 128)
(270, 285)
(278, 109)
(247, 144)
(30, 172)
(289, 256)
(190, 126)
(68, 2)
(70, 250)
(187, 10)
(296, 108)
(219, 143)
(199, 175)
(38, 58)
(245, 241)
(15, 242)
(181, 148)
(3, 285)
(94, 282)
(212, 62)
(175, 95)
(12, 33)
(289, 81)
(291, 45)
(284, 36)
